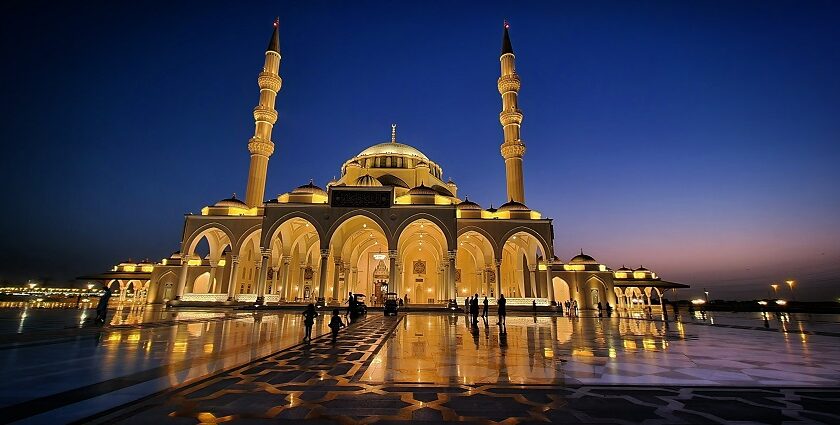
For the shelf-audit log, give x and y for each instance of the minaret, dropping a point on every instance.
(511, 118)
(261, 146)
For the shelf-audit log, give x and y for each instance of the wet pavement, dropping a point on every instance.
(208, 366)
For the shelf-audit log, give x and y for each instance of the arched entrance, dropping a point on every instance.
(475, 265)
(294, 262)
(562, 293)
(520, 268)
(357, 245)
(595, 291)
(422, 255)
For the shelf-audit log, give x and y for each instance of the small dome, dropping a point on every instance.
(176, 254)
(354, 164)
(231, 202)
(641, 269)
(582, 259)
(469, 205)
(422, 191)
(624, 269)
(491, 209)
(513, 206)
(309, 188)
(367, 180)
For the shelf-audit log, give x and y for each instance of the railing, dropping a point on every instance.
(541, 302)
(204, 297)
(246, 298)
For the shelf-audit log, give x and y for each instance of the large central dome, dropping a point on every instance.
(392, 148)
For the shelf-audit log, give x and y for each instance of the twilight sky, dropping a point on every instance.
(699, 139)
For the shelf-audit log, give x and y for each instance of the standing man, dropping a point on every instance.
(351, 303)
(474, 308)
(502, 302)
(102, 307)
(486, 307)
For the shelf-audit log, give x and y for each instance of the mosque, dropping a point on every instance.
(390, 223)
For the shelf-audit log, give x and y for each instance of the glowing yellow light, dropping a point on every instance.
(621, 275)
(698, 301)
(129, 268)
(781, 302)
(762, 302)
(147, 268)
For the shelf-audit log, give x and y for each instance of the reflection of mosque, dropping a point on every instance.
(390, 223)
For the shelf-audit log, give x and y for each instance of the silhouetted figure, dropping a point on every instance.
(467, 305)
(335, 324)
(609, 310)
(309, 315)
(534, 305)
(102, 307)
(486, 308)
(351, 303)
(600, 310)
(474, 309)
(568, 310)
(502, 302)
(560, 306)
(401, 303)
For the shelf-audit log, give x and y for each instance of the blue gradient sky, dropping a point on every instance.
(700, 139)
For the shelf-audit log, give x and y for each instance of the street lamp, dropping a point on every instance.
(90, 286)
(707, 294)
(790, 284)
(775, 287)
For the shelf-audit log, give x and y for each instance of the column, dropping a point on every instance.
(549, 283)
(234, 273)
(322, 276)
(213, 265)
(354, 274)
(498, 272)
(450, 255)
(284, 279)
(336, 272)
(532, 274)
(182, 278)
(392, 270)
(301, 280)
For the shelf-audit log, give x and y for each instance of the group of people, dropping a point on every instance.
(471, 307)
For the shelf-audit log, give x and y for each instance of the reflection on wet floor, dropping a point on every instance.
(163, 354)
(559, 350)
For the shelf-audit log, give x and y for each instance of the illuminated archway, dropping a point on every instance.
(562, 291)
(351, 263)
(520, 268)
(294, 244)
(422, 252)
(475, 263)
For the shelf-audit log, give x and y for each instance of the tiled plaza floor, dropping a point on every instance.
(436, 367)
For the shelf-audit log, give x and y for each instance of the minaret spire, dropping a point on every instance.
(393, 133)
(260, 146)
(513, 149)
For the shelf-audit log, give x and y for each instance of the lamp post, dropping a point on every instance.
(707, 294)
(775, 287)
(790, 284)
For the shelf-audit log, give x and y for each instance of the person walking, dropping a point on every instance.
(467, 305)
(102, 307)
(336, 324)
(309, 316)
(534, 304)
(486, 307)
(600, 308)
(502, 303)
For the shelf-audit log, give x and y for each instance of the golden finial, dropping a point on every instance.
(393, 133)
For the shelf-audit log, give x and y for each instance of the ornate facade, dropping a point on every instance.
(390, 223)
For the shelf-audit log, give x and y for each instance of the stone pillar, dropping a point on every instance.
(322, 277)
(354, 275)
(212, 286)
(336, 274)
(498, 272)
(234, 273)
(301, 279)
(548, 282)
(392, 270)
(182, 278)
(283, 290)
(450, 255)
(532, 274)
